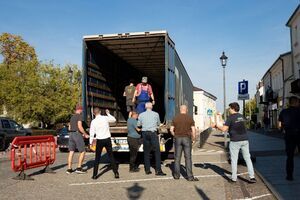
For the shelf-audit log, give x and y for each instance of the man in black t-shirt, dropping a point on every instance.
(235, 125)
(289, 121)
(76, 134)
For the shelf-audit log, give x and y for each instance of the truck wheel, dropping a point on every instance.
(2, 144)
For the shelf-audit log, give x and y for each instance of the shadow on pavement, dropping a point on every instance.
(201, 193)
(182, 169)
(135, 191)
(222, 172)
(52, 168)
(104, 169)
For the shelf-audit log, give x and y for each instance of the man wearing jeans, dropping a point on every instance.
(149, 120)
(235, 125)
(183, 129)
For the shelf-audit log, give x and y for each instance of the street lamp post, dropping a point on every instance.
(223, 60)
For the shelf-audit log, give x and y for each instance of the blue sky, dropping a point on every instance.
(251, 32)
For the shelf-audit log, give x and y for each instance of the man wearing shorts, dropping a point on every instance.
(76, 133)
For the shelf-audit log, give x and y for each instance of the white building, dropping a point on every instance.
(294, 25)
(274, 89)
(204, 106)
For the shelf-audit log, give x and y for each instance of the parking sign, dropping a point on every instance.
(243, 90)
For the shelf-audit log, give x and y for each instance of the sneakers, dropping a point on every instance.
(117, 175)
(134, 170)
(69, 171)
(160, 173)
(232, 181)
(79, 170)
(252, 180)
(148, 172)
(176, 176)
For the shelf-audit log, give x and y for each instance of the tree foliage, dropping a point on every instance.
(250, 107)
(14, 49)
(33, 91)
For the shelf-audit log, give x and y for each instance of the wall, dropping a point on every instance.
(203, 101)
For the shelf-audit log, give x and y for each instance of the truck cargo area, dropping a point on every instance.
(112, 60)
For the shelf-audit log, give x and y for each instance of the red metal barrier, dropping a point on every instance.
(29, 152)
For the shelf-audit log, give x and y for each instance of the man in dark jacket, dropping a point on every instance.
(289, 120)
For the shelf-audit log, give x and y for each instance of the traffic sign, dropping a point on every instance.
(209, 112)
(243, 90)
(243, 87)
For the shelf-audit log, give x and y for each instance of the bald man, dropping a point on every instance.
(149, 120)
(183, 129)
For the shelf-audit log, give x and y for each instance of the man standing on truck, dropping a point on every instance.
(133, 139)
(143, 92)
(183, 129)
(76, 141)
(129, 93)
(100, 134)
(149, 120)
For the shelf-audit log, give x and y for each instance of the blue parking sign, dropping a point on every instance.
(243, 87)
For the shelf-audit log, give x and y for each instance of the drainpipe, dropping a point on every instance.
(292, 52)
(283, 82)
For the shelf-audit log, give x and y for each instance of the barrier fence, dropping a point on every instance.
(29, 152)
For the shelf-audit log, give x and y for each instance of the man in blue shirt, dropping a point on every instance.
(133, 139)
(149, 120)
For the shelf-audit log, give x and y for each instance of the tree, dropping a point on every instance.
(14, 49)
(58, 93)
(34, 91)
(250, 107)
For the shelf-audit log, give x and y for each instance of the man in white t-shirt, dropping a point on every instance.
(100, 134)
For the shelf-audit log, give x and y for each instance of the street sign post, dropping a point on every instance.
(243, 90)
(243, 93)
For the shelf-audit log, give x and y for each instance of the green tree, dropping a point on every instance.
(250, 107)
(58, 93)
(14, 49)
(34, 91)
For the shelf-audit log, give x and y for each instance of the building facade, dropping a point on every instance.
(274, 89)
(294, 25)
(204, 108)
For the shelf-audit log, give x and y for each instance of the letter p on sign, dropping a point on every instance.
(243, 87)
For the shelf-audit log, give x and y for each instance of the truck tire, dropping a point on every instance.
(2, 144)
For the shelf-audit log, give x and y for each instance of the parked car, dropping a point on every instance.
(63, 140)
(9, 129)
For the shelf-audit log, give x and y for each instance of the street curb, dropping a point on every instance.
(269, 185)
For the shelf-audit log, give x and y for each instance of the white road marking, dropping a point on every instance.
(209, 151)
(149, 179)
(256, 197)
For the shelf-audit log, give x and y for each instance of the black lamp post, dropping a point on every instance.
(223, 60)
